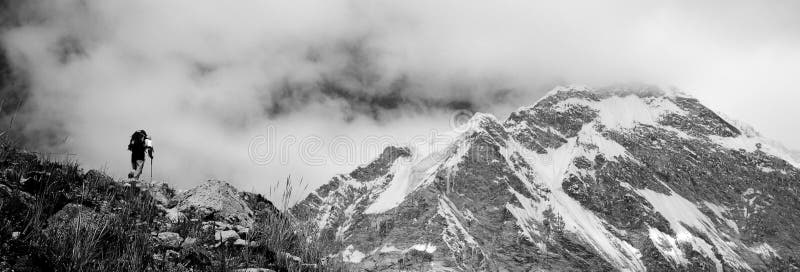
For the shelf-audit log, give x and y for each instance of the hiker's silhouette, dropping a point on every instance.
(139, 145)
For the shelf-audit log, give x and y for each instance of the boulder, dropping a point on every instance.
(215, 200)
(222, 226)
(169, 239)
(240, 242)
(175, 216)
(226, 235)
(76, 217)
(189, 242)
(243, 231)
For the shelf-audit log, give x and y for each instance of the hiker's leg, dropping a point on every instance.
(133, 169)
(139, 167)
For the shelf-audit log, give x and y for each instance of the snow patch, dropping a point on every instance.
(680, 213)
(749, 145)
(746, 129)
(626, 185)
(394, 193)
(424, 247)
(719, 212)
(625, 112)
(588, 136)
(455, 236)
(322, 221)
(529, 211)
(409, 174)
(765, 251)
(667, 246)
(348, 214)
(549, 171)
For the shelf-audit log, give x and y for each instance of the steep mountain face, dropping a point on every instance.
(602, 180)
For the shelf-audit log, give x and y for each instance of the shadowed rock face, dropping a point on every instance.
(611, 180)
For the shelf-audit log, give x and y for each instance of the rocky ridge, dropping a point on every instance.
(215, 200)
(48, 209)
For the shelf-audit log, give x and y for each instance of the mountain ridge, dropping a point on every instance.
(581, 179)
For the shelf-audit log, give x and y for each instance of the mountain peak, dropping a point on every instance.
(640, 90)
(587, 178)
(567, 109)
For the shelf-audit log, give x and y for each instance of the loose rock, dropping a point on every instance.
(170, 239)
(226, 235)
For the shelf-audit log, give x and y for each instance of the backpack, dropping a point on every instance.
(137, 139)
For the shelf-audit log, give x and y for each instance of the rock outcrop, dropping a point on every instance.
(215, 200)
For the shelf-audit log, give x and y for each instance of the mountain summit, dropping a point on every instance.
(614, 179)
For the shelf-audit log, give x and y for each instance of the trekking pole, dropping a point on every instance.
(151, 170)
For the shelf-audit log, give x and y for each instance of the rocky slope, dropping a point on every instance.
(54, 217)
(617, 179)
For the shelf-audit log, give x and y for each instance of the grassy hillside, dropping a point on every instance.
(56, 217)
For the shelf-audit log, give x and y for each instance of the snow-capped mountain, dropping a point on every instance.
(622, 178)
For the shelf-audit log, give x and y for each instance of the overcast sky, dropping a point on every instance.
(207, 79)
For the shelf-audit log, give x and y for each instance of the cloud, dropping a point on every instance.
(205, 77)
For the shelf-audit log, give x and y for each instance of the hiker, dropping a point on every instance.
(139, 145)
